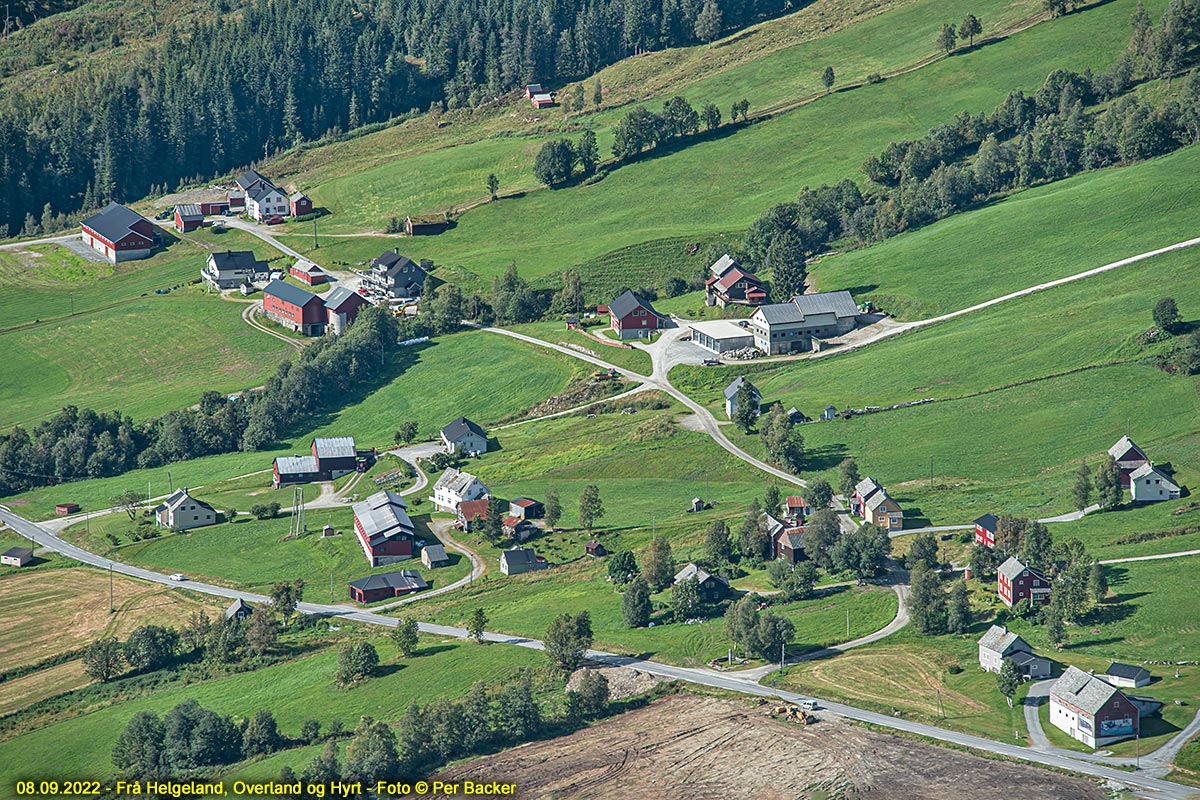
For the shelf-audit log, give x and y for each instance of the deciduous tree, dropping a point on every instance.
(819, 493)
(405, 637)
(1166, 314)
(102, 659)
(1008, 680)
(947, 38)
(926, 600)
(708, 23)
(493, 185)
(622, 568)
(958, 609)
(827, 79)
(553, 508)
(591, 508)
(1081, 491)
(1109, 491)
(685, 599)
(717, 547)
(970, 28)
(635, 604)
(477, 624)
(567, 639)
(848, 476)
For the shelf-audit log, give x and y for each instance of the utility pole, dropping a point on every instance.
(315, 244)
(782, 645)
(847, 624)
(331, 586)
(170, 483)
(110, 589)
(930, 470)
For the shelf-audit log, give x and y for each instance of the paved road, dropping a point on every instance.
(1159, 557)
(1144, 785)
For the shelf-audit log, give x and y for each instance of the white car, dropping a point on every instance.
(178, 576)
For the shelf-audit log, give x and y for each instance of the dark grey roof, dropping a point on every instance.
(383, 516)
(261, 191)
(289, 293)
(1128, 671)
(236, 606)
(732, 389)
(1082, 690)
(113, 221)
(393, 262)
(627, 302)
(435, 553)
(1022, 658)
(189, 211)
(461, 427)
(339, 296)
(238, 259)
(19, 552)
(250, 176)
(519, 555)
(403, 579)
(780, 313)
(988, 522)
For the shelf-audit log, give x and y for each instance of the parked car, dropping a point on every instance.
(273, 220)
(711, 362)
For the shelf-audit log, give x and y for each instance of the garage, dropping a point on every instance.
(721, 335)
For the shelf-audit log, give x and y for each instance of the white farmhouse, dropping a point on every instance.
(1149, 484)
(181, 512)
(456, 487)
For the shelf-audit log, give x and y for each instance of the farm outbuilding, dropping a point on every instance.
(188, 217)
(721, 335)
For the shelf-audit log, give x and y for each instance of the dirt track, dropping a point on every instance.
(703, 748)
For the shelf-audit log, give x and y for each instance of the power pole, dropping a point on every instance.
(170, 483)
(847, 624)
(110, 588)
(941, 711)
(930, 470)
(315, 244)
(782, 645)
(331, 586)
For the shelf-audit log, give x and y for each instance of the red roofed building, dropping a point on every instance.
(795, 508)
(468, 510)
(731, 284)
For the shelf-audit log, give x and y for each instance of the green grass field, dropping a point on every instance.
(688, 190)
(1012, 429)
(556, 332)
(252, 554)
(124, 347)
(1065, 227)
(294, 691)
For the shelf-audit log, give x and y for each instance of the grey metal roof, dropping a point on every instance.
(1024, 657)
(304, 265)
(1123, 446)
(19, 552)
(1128, 671)
(878, 499)
(289, 293)
(866, 486)
(627, 302)
(1082, 690)
(840, 304)
(723, 265)
(1149, 469)
(732, 389)
(699, 573)
(297, 196)
(408, 579)
(113, 221)
(237, 259)
(988, 522)
(335, 447)
(262, 190)
(339, 296)
(383, 515)
(435, 553)
(1013, 567)
(460, 428)
(455, 481)
(780, 313)
(189, 211)
(291, 465)
(999, 639)
(773, 524)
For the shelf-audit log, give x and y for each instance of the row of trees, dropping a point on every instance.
(190, 737)
(642, 129)
(80, 443)
(556, 162)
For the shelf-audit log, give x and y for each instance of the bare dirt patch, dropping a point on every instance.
(48, 612)
(623, 682)
(705, 748)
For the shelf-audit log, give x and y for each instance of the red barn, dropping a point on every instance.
(294, 308)
(342, 306)
(985, 530)
(385, 532)
(632, 317)
(63, 509)
(308, 272)
(212, 207)
(1129, 458)
(373, 588)
(119, 234)
(795, 508)
(188, 217)
(300, 204)
(1016, 582)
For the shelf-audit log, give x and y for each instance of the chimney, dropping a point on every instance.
(396, 250)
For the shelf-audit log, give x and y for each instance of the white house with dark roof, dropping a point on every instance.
(516, 560)
(455, 487)
(999, 644)
(731, 393)
(264, 201)
(232, 268)
(181, 512)
(434, 556)
(712, 587)
(464, 436)
(395, 275)
(791, 327)
(1149, 484)
(1091, 710)
(238, 610)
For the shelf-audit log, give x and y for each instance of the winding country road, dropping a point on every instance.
(1144, 785)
